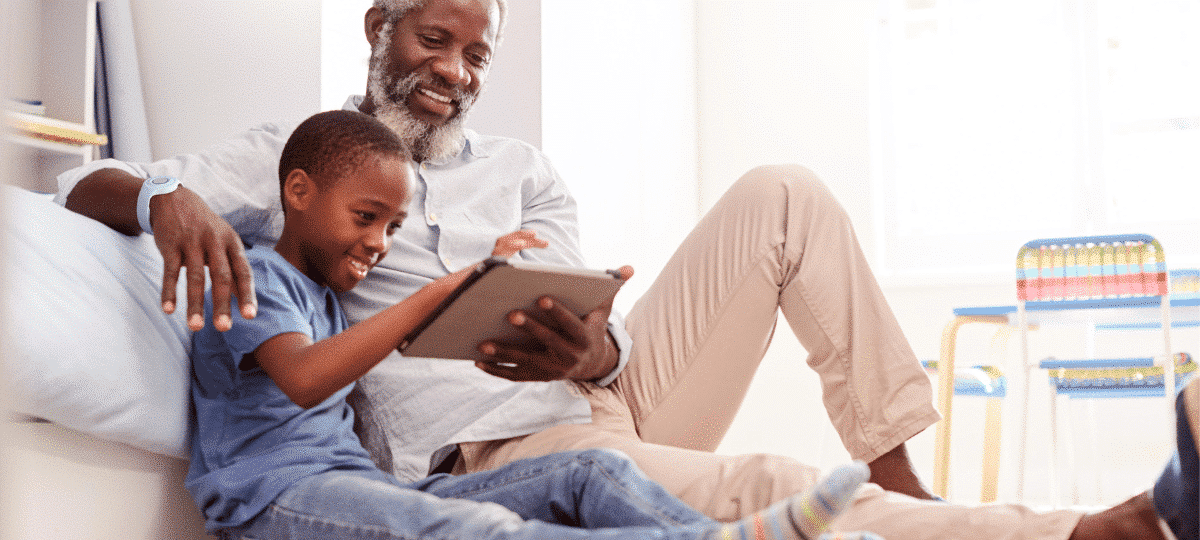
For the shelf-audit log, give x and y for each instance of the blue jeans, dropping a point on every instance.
(580, 494)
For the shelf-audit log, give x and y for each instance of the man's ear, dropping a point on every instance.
(373, 23)
(299, 189)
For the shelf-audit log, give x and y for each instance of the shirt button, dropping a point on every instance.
(432, 217)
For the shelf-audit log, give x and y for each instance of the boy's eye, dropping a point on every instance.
(366, 216)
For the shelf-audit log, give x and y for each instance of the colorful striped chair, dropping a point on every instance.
(1098, 281)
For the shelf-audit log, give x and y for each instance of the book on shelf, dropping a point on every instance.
(50, 129)
(27, 106)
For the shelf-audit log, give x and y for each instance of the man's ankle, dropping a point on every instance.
(894, 472)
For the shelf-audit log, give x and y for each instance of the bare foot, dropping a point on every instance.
(1133, 519)
(893, 471)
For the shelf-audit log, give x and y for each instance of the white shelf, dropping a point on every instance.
(84, 151)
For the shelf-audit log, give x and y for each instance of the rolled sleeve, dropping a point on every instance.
(238, 179)
(624, 343)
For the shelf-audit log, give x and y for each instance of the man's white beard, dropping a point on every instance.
(426, 141)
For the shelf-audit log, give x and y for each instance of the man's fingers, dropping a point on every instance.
(170, 280)
(222, 278)
(538, 329)
(566, 321)
(243, 279)
(195, 290)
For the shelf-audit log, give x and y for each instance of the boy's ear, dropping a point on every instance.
(299, 189)
(372, 23)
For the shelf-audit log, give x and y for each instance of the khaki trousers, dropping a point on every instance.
(777, 241)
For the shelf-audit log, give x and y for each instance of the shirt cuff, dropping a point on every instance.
(624, 343)
(69, 179)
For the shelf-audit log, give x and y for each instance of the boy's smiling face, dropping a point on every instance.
(344, 226)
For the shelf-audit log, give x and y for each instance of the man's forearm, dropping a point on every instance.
(110, 197)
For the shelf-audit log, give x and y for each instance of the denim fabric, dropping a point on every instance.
(1175, 493)
(558, 496)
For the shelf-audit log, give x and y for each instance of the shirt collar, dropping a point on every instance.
(471, 151)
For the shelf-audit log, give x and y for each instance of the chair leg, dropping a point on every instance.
(1055, 496)
(945, 390)
(991, 452)
(1094, 442)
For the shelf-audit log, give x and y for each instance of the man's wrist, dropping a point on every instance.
(157, 185)
(611, 358)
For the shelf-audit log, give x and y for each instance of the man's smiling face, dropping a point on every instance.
(427, 69)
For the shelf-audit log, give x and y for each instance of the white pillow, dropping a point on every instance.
(88, 344)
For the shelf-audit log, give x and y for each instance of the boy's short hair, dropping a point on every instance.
(332, 144)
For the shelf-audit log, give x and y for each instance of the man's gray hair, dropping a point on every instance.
(397, 9)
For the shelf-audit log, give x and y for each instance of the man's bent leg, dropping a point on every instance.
(776, 240)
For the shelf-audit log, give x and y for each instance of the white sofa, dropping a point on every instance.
(95, 443)
(62, 483)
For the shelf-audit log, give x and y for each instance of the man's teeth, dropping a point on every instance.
(435, 95)
(359, 266)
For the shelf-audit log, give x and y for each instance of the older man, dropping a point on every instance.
(662, 386)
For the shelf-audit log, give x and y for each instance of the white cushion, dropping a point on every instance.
(88, 344)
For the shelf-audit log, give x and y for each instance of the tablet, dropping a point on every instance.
(478, 309)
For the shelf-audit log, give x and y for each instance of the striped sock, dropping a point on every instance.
(805, 516)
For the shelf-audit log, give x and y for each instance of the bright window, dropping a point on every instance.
(1003, 121)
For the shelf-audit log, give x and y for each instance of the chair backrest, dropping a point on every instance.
(1185, 283)
(1091, 267)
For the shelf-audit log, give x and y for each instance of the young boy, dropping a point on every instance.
(273, 452)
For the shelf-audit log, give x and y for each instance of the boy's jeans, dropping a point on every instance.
(557, 496)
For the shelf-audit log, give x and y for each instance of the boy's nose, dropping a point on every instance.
(377, 241)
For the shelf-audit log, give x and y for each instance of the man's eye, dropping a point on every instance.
(366, 216)
(431, 41)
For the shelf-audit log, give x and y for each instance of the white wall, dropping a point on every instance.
(619, 124)
(213, 68)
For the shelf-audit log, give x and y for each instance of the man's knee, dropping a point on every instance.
(786, 185)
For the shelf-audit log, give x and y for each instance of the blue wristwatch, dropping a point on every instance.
(151, 187)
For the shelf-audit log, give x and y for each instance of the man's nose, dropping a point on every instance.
(453, 69)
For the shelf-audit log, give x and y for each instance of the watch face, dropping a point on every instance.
(160, 180)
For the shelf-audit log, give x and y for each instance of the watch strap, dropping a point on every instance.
(152, 186)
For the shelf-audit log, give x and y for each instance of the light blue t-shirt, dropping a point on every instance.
(250, 442)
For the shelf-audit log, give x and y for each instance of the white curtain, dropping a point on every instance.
(120, 108)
